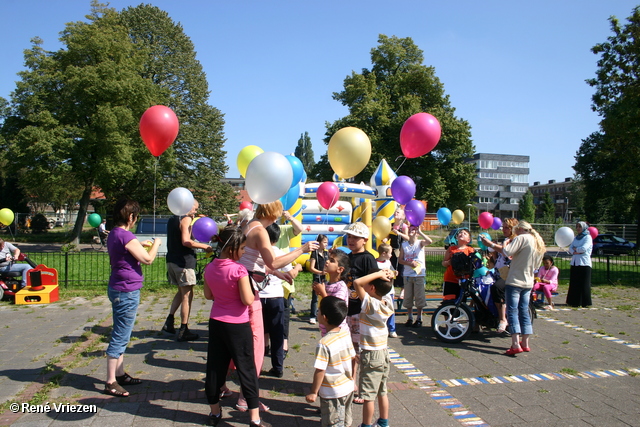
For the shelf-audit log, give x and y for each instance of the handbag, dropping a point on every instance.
(259, 280)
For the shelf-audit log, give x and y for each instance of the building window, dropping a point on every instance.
(487, 187)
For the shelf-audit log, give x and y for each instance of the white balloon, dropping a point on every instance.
(180, 201)
(268, 177)
(564, 236)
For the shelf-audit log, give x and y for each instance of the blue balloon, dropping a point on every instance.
(444, 216)
(482, 245)
(297, 168)
(479, 272)
(289, 199)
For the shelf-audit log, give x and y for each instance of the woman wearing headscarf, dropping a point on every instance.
(526, 251)
(580, 275)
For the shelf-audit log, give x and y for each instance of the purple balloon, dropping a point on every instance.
(414, 212)
(403, 189)
(204, 229)
(497, 223)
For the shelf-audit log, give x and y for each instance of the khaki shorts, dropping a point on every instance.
(414, 295)
(336, 412)
(181, 276)
(353, 322)
(374, 373)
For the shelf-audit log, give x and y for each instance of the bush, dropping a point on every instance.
(39, 224)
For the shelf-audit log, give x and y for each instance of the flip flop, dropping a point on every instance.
(225, 393)
(502, 326)
(358, 400)
(114, 389)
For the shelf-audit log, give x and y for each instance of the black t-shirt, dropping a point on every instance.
(177, 253)
(320, 258)
(361, 264)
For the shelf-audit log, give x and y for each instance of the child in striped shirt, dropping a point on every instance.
(374, 356)
(333, 378)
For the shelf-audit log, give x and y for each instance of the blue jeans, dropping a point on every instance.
(18, 268)
(517, 300)
(124, 307)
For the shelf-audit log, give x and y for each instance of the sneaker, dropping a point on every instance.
(186, 335)
(417, 324)
(393, 334)
(214, 420)
(312, 321)
(274, 373)
(409, 322)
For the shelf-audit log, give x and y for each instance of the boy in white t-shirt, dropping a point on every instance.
(333, 377)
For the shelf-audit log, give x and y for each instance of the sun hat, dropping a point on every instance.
(358, 229)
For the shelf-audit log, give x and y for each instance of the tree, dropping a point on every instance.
(380, 100)
(74, 116)
(607, 161)
(548, 209)
(304, 152)
(196, 159)
(527, 210)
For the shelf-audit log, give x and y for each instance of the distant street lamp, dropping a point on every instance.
(469, 206)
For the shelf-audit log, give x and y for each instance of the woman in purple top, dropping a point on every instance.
(125, 255)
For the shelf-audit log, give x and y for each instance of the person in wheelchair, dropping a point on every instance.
(8, 255)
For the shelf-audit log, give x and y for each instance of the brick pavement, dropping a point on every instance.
(563, 380)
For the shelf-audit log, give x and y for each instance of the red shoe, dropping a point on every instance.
(525, 349)
(513, 351)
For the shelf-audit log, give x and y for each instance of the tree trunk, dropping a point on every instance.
(82, 213)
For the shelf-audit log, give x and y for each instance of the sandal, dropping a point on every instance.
(114, 389)
(502, 326)
(242, 405)
(358, 400)
(225, 393)
(263, 407)
(127, 379)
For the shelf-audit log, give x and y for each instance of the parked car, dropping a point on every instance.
(149, 228)
(610, 244)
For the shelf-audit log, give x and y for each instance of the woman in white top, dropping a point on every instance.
(526, 251)
(579, 293)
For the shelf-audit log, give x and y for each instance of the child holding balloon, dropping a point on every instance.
(451, 287)
(412, 258)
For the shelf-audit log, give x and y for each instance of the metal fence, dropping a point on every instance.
(92, 268)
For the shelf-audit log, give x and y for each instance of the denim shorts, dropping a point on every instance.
(517, 300)
(124, 308)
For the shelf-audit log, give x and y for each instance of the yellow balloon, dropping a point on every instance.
(6, 216)
(245, 156)
(457, 216)
(349, 152)
(381, 227)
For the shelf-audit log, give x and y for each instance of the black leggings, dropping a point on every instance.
(231, 341)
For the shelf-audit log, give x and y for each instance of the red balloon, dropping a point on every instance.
(593, 232)
(158, 128)
(485, 220)
(328, 194)
(419, 135)
(246, 205)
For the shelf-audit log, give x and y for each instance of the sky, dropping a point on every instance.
(514, 70)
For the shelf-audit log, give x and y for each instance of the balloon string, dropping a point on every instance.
(405, 159)
(155, 180)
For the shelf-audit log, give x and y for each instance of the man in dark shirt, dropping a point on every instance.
(181, 265)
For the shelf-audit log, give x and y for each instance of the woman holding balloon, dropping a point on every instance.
(259, 257)
(579, 293)
(502, 266)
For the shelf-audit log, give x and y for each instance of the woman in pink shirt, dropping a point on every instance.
(230, 334)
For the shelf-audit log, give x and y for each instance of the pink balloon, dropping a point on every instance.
(593, 232)
(328, 194)
(419, 135)
(245, 205)
(485, 220)
(159, 128)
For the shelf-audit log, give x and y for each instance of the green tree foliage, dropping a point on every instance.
(381, 99)
(196, 159)
(607, 161)
(548, 209)
(527, 210)
(73, 121)
(304, 152)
